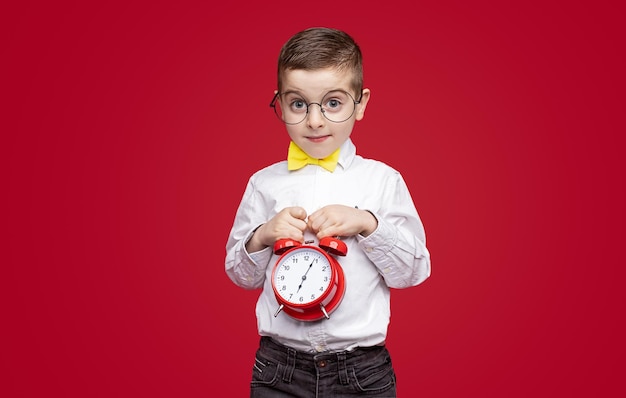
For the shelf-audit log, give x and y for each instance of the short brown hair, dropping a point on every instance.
(320, 48)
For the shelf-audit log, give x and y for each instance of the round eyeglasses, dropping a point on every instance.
(336, 106)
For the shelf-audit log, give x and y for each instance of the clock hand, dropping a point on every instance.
(304, 276)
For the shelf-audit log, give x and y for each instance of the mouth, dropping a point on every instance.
(318, 138)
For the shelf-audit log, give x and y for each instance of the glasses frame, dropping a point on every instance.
(356, 102)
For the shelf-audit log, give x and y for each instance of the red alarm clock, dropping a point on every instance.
(308, 281)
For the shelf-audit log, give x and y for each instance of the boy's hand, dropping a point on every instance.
(288, 223)
(340, 220)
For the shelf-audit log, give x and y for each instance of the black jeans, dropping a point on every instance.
(280, 371)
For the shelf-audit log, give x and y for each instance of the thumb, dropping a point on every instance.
(297, 212)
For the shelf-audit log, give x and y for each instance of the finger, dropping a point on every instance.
(299, 224)
(297, 212)
(314, 223)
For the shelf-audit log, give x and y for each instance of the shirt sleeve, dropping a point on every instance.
(398, 245)
(246, 270)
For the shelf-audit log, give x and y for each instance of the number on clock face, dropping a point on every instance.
(303, 276)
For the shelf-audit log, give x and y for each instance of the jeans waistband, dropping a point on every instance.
(320, 362)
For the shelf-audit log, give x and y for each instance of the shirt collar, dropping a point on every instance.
(347, 152)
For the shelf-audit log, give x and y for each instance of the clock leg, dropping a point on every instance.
(324, 311)
(278, 310)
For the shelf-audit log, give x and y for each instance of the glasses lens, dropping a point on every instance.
(290, 108)
(338, 106)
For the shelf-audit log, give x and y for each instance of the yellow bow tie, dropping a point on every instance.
(297, 159)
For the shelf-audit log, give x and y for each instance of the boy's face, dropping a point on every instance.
(316, 135)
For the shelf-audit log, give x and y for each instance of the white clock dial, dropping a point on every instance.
(303, 276)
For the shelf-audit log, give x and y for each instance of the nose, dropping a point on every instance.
(315, 116)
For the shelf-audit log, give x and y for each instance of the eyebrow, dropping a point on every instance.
(297, 92)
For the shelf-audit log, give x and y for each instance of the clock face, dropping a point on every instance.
(303, 276)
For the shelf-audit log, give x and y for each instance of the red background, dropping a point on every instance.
(129, 132)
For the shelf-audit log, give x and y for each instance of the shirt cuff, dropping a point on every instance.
(379, 242)
(260, 258)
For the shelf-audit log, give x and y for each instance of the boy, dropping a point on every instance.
(364, 202)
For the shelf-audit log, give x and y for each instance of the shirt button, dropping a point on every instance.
(322, 364)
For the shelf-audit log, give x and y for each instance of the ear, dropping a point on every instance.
(360, 107)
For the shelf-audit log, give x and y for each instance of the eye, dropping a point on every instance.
(298, 105)
(333, 103)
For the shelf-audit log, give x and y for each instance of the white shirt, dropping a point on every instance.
(393, 256)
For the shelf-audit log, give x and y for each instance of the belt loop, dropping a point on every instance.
(290, 365)
(341, 368)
